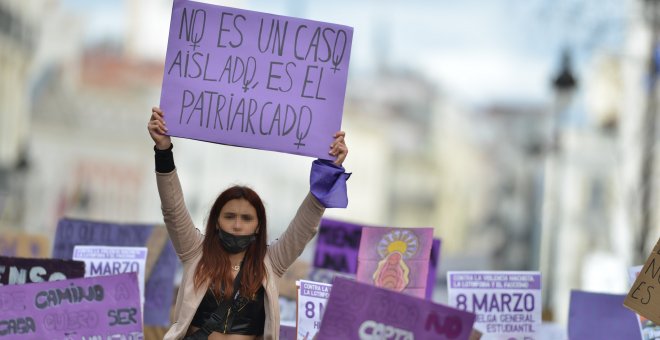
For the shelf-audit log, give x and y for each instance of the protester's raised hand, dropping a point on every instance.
(158, 130)
(338, 147)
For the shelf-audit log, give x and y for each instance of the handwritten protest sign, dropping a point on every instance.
(105, 260)
(105, 307)
(361, 311)
(649, 330)
(16, 270)
(395, 258)
(644, 296)
(19, 244)
(159, 285)
(600, 316)
(312, 299)
(253, 79)
(507, 304)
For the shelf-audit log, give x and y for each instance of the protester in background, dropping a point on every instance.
(228, 289)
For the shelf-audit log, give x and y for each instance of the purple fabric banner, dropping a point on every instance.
(361, 311)
(159, 287)
(433, 267)
(253, 79)
(16, 270)
(395, 258)
(337, 246)
(600, 316)
(88, 308)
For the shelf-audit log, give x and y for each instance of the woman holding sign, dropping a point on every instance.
(228, 289)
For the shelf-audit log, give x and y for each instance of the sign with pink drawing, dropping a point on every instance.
(395, 258)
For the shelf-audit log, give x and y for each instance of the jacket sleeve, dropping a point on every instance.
(186, 239)
(301, 230)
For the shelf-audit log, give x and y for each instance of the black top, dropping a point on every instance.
(244, 316)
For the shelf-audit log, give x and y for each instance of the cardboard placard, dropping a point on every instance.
(287, 332)
(254, 79)
(104, 307)
(311, 301)
(17, 270)
(360, 311)
(507, 304)
(337, 246)
(105, 260)
(434, 262)
(159, 286)
(644, 296)
(648, 329)
(395, 258)
(600, 316)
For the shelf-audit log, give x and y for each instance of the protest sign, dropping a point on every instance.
(600, 316)
(648, 329)
(105, 260)
(361, 311)
(287, 332)
(395, 258)
(644, 296)
(20, 244)
(254, 79)
(433, 267)
(507, 304)
(159, 286)
(104, 307)
(16, 270)
(337, 246)
(311, 301)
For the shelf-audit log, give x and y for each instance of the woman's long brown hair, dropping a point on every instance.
(214, 266)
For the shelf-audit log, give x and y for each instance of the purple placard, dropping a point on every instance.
(395, 258)
(159, 287)
(433, 267)
(600, 316)
(16, 270)
(287, 332)
(361, 311)
(337, 246)
(88, 308)
(254, 79)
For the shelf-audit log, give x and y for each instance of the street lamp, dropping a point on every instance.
(564, 85)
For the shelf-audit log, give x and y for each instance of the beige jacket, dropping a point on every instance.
(187, 241)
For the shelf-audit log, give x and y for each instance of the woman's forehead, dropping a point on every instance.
(239, 205)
